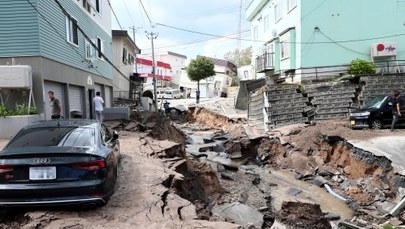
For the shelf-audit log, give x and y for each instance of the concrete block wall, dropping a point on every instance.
(372, 86)
(331, 100)
(255, 109)
(320, 101)
(286, 105)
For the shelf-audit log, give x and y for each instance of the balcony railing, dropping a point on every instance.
(265, 62)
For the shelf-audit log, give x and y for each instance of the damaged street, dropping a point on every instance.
(211, 170)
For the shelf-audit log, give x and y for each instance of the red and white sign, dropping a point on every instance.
(384, 49)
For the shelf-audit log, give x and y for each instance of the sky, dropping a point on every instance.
(182, 26)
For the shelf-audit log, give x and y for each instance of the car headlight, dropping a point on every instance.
(366, 113)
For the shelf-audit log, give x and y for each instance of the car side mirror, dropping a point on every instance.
(115, 135)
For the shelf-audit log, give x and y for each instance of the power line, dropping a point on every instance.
(206, 34)
(130, 16)
(147, 15)
(196, 41)
(313, 10)
(115, 15)
(337, 43)
(91, 42)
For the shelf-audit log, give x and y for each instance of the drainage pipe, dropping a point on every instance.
(398, 207)
(334, 193)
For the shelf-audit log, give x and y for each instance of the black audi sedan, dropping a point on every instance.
(376, 113)
(59, 162)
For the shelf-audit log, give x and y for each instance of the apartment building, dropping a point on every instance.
(68, 45)
(298, 40)
(124, 56)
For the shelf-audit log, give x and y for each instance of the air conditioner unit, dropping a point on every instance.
(15, 76)
(385, 49)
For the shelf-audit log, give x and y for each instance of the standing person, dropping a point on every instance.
(396, 109)
(56, 108)
(98, 106)
(188, 93)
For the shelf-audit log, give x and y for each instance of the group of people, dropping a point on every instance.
(56, 107)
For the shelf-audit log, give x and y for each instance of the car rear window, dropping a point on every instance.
(55, 136)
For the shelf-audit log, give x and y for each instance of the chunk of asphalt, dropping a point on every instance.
(240, 214)
(227, 176)
(294, 191)
(332, 216)
(319, 181)
(207, 140)
(236, 155)
(218, 148)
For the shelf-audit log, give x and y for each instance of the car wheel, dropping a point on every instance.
(376, 124)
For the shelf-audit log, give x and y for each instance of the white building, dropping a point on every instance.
(124, 52)
(213, 86)
(246, 72)
(176, 61)
(163, 73)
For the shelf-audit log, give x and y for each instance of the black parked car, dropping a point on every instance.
(376, 114)
(59, 162)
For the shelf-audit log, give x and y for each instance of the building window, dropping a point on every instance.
(277, 11)
(255, 33)
(291, 4)
(246, 74)
(270, 48)
(266, 23)
(284, 49)
(86, 5)
(71, 31)
(124, 56)
(131, 59)
(98, 6)
(90, 51)
(100, 48)
(211, 79)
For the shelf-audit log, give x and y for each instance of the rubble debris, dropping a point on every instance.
(240, 214)
(332, 216)
(302, 215)
(227, 175)
(294, 191)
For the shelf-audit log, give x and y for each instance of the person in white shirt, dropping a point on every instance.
(98, 106)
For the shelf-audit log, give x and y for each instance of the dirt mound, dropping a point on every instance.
(297, 215)
(210, 119)
(154, 124)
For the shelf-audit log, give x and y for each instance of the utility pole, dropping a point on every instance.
(134, 31)
(153, 36)
(133, 37)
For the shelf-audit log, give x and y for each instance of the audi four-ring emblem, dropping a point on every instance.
(41, 160)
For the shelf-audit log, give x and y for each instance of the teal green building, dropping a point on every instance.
(298, 40)
(68, 45)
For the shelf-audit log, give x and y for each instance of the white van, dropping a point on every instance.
(172, 94)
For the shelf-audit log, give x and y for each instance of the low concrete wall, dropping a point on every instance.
(116, 113)
(10, 125)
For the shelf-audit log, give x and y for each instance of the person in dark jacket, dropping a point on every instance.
(396, 109)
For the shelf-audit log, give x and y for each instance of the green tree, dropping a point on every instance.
(361, 67)
(199, 69)
(239, 57)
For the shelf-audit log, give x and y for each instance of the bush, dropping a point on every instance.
(361, 67)
(235, 81)
(20, 110)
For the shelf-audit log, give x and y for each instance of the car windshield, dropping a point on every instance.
(168, 92)
(375, 102)
(54, 136)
